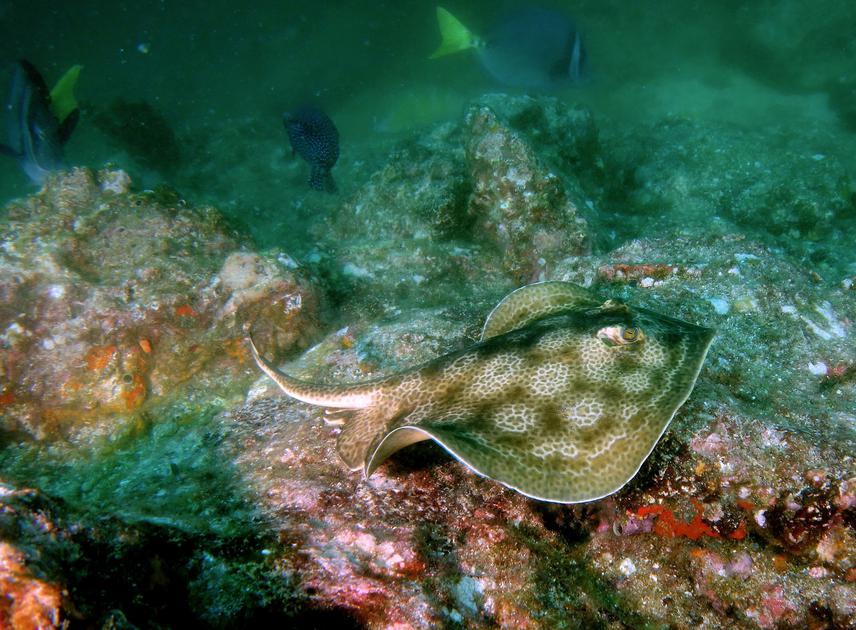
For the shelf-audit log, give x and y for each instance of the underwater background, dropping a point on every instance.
(220, 77)
(702, 167)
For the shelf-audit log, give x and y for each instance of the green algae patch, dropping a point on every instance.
(169, 472)
(570, 594)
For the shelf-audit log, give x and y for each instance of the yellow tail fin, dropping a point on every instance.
(62, 94)
(455, 36)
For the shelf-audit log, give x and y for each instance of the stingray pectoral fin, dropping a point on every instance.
(555, 478)
(526, 304)
(394, 441)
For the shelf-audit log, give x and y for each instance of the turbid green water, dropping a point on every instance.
(725, 147)
(221, 75)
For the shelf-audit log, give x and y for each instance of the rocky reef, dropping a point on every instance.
(113, 300)
(152, 478)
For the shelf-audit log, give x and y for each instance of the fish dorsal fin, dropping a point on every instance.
(526, 304)
(63, 102)
(455, 36)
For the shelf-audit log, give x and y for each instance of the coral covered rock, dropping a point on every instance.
(517, 204)
(476, 207)
(122, 317)
(788, 190)
(110, 301)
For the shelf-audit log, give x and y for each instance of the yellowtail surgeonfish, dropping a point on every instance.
(529, 47)
(39, 122)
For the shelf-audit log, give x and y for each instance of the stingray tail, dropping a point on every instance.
(455, 36)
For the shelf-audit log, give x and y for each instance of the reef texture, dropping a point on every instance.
(405, 235)
(463, 209)
(230, 507)
(517, 204)
(770, 184)
(111, 301)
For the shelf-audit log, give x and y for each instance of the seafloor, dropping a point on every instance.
(152, 478)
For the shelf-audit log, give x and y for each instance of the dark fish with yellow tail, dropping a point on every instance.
(39, 121)
(530, 47)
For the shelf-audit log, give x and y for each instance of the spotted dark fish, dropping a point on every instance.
(315, 138)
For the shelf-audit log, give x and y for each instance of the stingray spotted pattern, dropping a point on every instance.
(562, 399)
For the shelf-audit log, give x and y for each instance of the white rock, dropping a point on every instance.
(627, 567)
(818, 369)
(720, 305)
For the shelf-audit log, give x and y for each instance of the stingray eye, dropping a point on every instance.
(620, 335)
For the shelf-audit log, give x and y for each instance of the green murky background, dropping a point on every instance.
(221, 75)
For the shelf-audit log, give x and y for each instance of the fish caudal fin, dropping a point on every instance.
(455, 36)
(63, 102)
(68, 125)
(321, 179)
